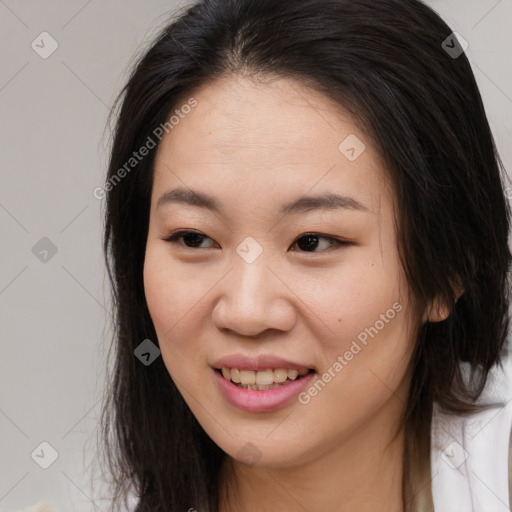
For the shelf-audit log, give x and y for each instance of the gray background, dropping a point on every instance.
(53, 313)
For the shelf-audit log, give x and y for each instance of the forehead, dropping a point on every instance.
(276, 138)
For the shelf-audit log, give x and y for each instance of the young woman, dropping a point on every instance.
(306, 235)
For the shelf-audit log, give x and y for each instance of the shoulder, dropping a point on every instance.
(510, 468)
(471, 456)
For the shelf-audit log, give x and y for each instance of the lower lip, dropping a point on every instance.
(253, 400)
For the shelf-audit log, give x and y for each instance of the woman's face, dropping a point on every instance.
(250, 291)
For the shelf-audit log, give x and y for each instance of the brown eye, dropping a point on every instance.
(191, 239)
(310, 241)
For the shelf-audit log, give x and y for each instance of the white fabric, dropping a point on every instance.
(470, 455)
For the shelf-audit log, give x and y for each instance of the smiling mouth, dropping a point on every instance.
(262, 380)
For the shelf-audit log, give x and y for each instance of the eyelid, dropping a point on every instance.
(175, 235)
(335, 242)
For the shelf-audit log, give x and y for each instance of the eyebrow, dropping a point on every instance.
(328, 201)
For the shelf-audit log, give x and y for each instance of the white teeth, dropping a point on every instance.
(263, 379)
(292, 374)
(247, 377)
(280, 375)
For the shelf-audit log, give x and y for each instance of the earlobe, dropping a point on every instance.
(458, 292)
(439, 311)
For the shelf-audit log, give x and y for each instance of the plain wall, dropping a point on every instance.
(53, 313)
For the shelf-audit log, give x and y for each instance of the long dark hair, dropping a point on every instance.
(395, 65)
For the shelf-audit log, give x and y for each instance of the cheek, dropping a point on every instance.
(174, 304)
(157, 288)
(360, 377)
(365, 315)
(172, 295)
(348, 300)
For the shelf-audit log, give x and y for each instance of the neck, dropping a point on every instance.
(362, 472)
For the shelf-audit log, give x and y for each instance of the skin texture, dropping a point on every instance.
(255, 146)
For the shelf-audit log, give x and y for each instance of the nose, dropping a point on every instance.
(253, 299)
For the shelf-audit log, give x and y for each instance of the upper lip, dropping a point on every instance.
(261, 362)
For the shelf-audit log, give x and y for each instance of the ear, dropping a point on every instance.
(438, 311)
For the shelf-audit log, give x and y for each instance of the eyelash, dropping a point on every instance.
(174, 237)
